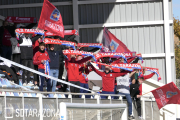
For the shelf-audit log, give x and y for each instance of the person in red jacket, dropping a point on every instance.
(108, 80)
(84, 70)
(39, 59)
(72, 67)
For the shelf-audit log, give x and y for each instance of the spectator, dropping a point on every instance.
(39, 58)
(54, 65)
(36, 49)
(123, 83)
(4, 75)
(72, 67)
(108, 80)
(26, 55)
(83, 72)
(6, 32)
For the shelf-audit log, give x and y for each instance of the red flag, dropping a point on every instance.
(51, 19)
(113, 44)
(167, 94)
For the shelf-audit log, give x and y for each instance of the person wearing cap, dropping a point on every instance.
(123, 88)
(39, 58)
(108, 79)
(26, 48)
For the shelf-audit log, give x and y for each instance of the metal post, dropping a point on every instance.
(40, 106)
(76, 17)
(5, 106)
(167, 41)
(23, 107)
(143, 106)
(63, 110)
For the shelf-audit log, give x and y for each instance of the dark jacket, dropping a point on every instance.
(134, 90)
(26, 47)
(54, 57)
(11, 30)
(60, 48)
(4, 75)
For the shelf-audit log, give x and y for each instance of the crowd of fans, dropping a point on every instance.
(30, 51)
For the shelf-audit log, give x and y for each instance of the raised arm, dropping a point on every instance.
(148, 76)
(84, 60)
(35, 38)
(97, 71)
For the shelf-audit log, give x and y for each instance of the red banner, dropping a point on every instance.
(51, 19)
(76, 52)
(29, 31)
(167, 94)
(111, 43)
(109, 54)
(21, 19)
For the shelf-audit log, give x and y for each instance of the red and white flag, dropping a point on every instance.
(167, 94)
(51, 19)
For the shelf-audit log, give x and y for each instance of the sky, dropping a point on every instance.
(176, 8)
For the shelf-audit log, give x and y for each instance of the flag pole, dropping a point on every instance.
(146, 93)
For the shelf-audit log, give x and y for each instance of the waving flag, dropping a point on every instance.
(167, 94)
(112, 43)
(51, 19)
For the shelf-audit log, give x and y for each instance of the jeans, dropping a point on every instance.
(129, 100)
(115, 92)
(6, 52)
(105, 97)
(54, 73)
(27, 63)
(84, 85)
(41, 81)
(17, 59)
(137, 105)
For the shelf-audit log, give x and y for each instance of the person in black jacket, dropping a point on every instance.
(54, 64)
(6, 32)
(135, 94)
(27, 55)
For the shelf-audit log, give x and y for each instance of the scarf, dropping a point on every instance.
(154, 70)
(59, 42)
(96, 45)
(124, 66)
(76, 52)
(46, 67)
(110, 54)
(29, 31)
(66, 32)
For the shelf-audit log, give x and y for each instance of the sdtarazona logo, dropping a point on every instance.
(55, 15)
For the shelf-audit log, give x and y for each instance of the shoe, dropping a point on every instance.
(141, 118)
(36, 87)
(131, 117)
(24, 84)
(30, 84)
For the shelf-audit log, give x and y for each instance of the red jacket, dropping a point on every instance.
(35, 47)
(73, 68)
(38, 57)
(85, 70)
(108, 80)
(145, 78)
